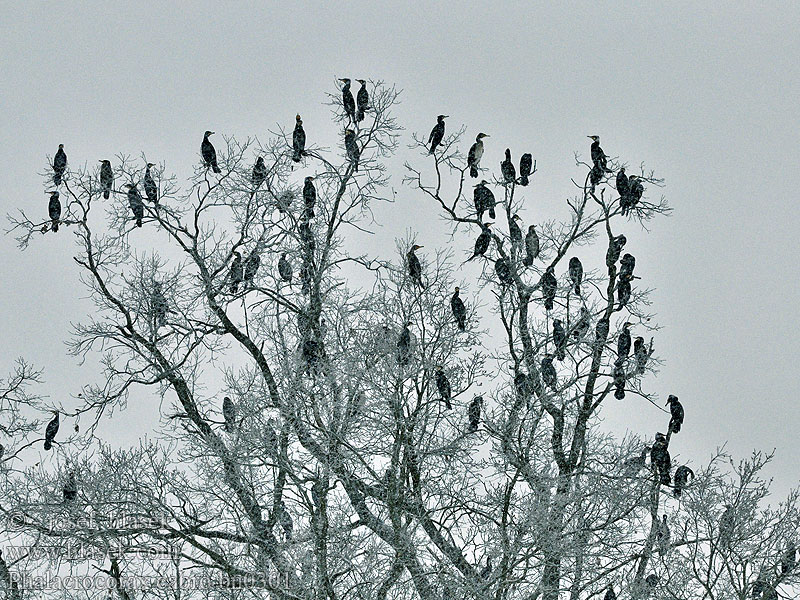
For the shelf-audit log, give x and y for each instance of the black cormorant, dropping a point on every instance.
(623, 186)
(641, 354)
(459, 310)
(251, 266)
(636, 191)
(549, 285)
(626, 265)
(414, 266)
(514, 232)
(474, 413)
(582, 325)
(443, 385)
(601, 332)
(159, 305)
(727, 524)
(507, 168)
(59, 165)
(298, 139)
(347, 100)
(660, 459)
(285, 268)
(362, 100)
(309, 196)
(229, 414)
(676, 410)
(624, 343)
(595, 176)
(350, 144)
(503, 270)
(437, 133)
(618, 375)
(663, 536)
(209, 153)
(483, 241)
(598, 156)
(136, 203)
(682, 475)
(531, 246)
(50, 431)
(623, 293)
(549, 375)
(259, 174)
(54, 210)
(615, 246)
(525, 166)
(576, 273)
(484, 200)
(237, 272)
(559, 339)
(404, 345)
(150, 187)
(70, 489)
(106, 178)
(475, 155)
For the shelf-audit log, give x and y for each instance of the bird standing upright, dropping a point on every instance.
(559, 339)
(549, 372)
(474, 413)
(615, 246)
(598, 156)
(229, 414)
(236, 272)
(404, 345)
(660, 459)
(351, 146)
(251, 266)
(626, 266)
(59, 165)
(414, 266)
(514, 232)
(618, 376)
(525, 166)
(484, 200)
(70, 489)
(624, 343)
(549, 285)
(209, 153)
(682, 475)
(459, 310)
(106, 178)
(159, 305)
(347, 100)
(582, 325)
(437, 133)
(676, 412)
(503, 269)
(531, 246)
(50, 431)
(641, 354)
(309, 196)
(285, 268)
(136, 203)
(259, 174)
(483, 241)
(298, 140)
(54, 210)
(576, 273)
(727, 525)
(443, 386)
(150, 187)
(507, 169)
(623, 187)
(362, 100)
(475, 155)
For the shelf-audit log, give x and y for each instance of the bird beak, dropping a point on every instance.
(446, 117)
(420, 246)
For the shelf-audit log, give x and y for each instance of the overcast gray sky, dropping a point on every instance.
(706, 96)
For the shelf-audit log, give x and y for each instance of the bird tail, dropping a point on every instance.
(106, 194)
(216, 168)
(578, 289)
(55, 225)
(492, 214)
(674, 426)
(432, 149)
(528, 260)
(665, 478)
(619, 394)
(57, 179)
(138, 221)
(360, 116)
(548, 304)
(523, 180)
(47, 445)
(473, 172)
(296, 157)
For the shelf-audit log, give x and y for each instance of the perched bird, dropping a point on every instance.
(660, 459)
(682, 475)
(598, 156)
(259, 174)
(623, 186)
(576, 273)
(285, 268)
(459, 310)
(475, 155)
(600, 332)
(641, 354)
(150, 187)
(503, 269)
(309, 196)
(727, 524)
(523, 385)
(54, 210)
(531, 246)
(676, 410)
(50, 431)
(70, 489)
(313, 352)
(623, 293)
(582, 324)
(59, 165)
(284, 201)
(487, 570)
(549, 285)
(251, 266)
(549, 375)
(443, 385)
(298, 139)
(514, 232)
(136, 203)
(484, 200)
(106, 178)
(610, 594)
(789, 559)
(615, 246)
(626, 265)
(353, 153)
(634, 196)
(652, 580)
(624, 343)
(404, 345)
(229, 414)
(636, 463)
(507, 169)
(286, 521)
(618, 375)
(347, 100)
(362, 100)
(437, 133)
(414, 266)
(474, 413)
(209, 153)
(159, 305)
(663, 536)
(559, 339)
(237, 272)
(595, 176)
(525, 166)
(482, 243)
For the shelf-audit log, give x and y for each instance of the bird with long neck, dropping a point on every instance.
(475, 155)
(347, 100)
(437, 133)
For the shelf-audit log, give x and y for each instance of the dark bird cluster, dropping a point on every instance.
(355, 108)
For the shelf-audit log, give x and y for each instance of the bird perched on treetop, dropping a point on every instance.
(136, 203)
(348, 101)
(559, 339)
(150, 187)
(576, 273)
(507, 168)
(106, 178)
(437, 133)
(351, 146)
(676, 410)
(660, 459)
(549, 285)
(598, 156)
(236, 272)
(682, 475)
(474, 413)
(298, 139)
(626, 265)
(362, 100)
(483, 241)
(615, 246)
(50, 431)
(285, 268)
(209, 153)
(229, 414)
(525, 166)
(54, 210)
(459, 310)
(259, 174)
(475, 155)
(309, 196)
(635, 194)
(59, 165)
(484, 200)
(531, 246)
(443, 385)
(414, 266)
